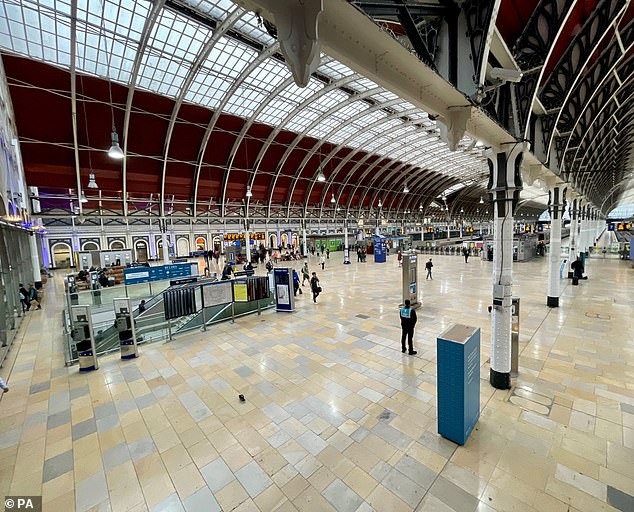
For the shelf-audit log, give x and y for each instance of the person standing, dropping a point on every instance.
(322, 261)
(327, 253)
(428, 266)
(408, 321)
(142, 306)
(465, 253)
(314, 286)
(400, 258)
(305, 273)
(24, 298)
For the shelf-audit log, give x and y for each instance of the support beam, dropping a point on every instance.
(556, 207)
(505, 184)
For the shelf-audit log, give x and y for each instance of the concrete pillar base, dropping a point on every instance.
(500, 380)
(552, 302)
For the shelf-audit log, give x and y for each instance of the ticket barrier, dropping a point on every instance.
(83, 337)
(124, 323)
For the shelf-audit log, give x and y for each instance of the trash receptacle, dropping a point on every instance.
(515, 336)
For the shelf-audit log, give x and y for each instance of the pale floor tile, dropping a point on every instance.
(334, 412)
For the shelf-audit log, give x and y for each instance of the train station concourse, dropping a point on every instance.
(317, 255)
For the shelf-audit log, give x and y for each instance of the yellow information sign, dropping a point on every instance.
(240, 292)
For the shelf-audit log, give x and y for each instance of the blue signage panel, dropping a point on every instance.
(611, 226)
(458, 382)
(148, 274)
(379, 250)
(284, 296)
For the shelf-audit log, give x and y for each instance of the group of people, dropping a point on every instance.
(29, 298)
(313, 280)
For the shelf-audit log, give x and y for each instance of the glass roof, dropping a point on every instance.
(239, 71)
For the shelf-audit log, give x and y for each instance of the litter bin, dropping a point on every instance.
(515, 336)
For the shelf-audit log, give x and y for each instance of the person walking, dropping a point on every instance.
(465, 253)
(314, 286)
(33, 297)
(305, 273)
(322, 261)
(24, 298)
(400, 258)
(328, 254)
(296, 286)
(408, 321)
(428, 266)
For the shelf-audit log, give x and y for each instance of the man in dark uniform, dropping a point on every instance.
(408, 321)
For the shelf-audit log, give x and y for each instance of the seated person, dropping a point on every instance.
(226, 272)
(82, 275)
(248, 267)
(103, 280)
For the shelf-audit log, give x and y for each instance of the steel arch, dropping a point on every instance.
(206, 49)
(263, 55)
(145, 36)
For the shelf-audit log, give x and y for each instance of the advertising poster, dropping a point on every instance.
(283, 296)
(240, 291)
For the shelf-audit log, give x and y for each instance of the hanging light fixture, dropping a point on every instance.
(320, 176)
(461, 210)
(115, 150)
(91, 181)
(405, 189)
(380, 205)
(82, 197)
(332, 198)
(481, 200)
(249, 193)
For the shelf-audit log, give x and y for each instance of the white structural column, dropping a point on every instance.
(505, 184)
(572, 253)
(304, 247)
(166, 250)
(346, 245)
(556, 206)
(35, 260)
(583, 247)
(247, 240)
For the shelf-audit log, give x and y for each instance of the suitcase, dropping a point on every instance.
(575, 281)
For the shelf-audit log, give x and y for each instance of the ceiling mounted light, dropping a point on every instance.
(405, 189)
(249, 193)
(82, 197)
(332, 198)
(91, 181)
(481, 200)
(115, 150)
(320, 176)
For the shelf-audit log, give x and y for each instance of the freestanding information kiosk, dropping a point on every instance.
(126, 328)
(458, 382)
(410, 279)
(379, 249)
(84, 339)
(284, 296)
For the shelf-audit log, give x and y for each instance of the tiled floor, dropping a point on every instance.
(336, 418)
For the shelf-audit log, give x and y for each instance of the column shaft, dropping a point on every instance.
(556, 213)
(35, 261)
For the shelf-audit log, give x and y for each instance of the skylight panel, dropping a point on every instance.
(335, 70)
(250, 26)
(218, 9)
(224, 65)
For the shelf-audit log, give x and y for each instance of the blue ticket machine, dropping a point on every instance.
(284, 296)
(379, 249)
(458, 382)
